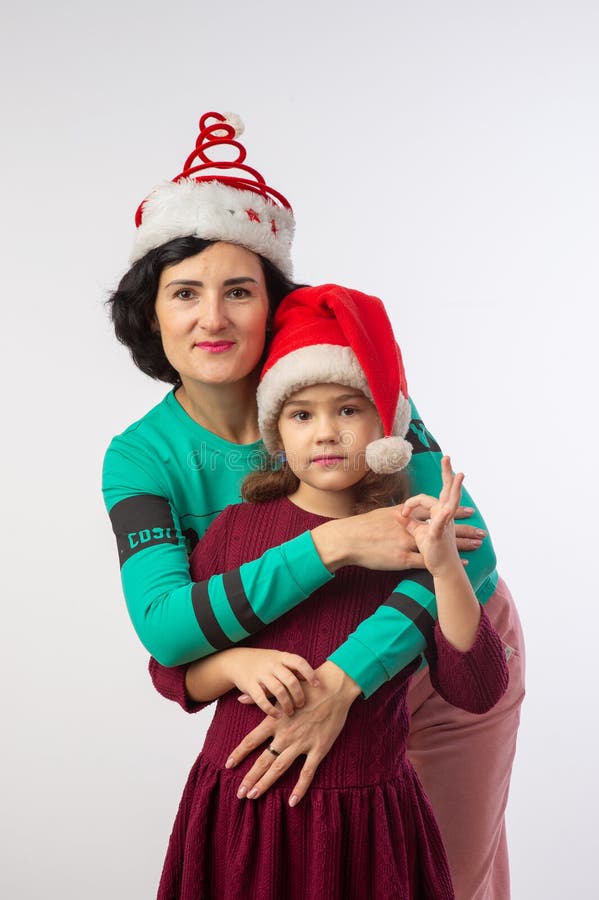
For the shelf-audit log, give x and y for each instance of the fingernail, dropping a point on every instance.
(468, 509)
(292, 800)
(253, 793)
(242, 792)
(481, 533)
(230, 763)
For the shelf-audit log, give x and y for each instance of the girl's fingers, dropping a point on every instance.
(302, 667)
(260, 699)
(292, 688)
(412, 503)
(274, 688)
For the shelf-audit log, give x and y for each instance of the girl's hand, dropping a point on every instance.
(311, 732)
(379, 539)
(260, 674)
(435, 537)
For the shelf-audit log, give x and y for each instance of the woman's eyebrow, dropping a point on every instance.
(228, 283)
(241, 280)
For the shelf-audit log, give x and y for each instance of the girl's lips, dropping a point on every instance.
(214, 346)
(327, 460)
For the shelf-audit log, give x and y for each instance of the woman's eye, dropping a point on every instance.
(238, 293)
(184, 294)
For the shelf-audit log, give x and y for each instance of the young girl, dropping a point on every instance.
(333, 413)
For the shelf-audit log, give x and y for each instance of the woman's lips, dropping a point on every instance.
(214, 346)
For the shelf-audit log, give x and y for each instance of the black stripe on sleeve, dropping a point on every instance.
(420, 616)
(420, 576)
(144, 520)
(239, 602)
(420, 438)
(206, 619)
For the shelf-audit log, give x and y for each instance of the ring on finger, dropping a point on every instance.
(272, 750)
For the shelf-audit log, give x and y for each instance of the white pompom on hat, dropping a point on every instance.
(218, 199)
(335, 335)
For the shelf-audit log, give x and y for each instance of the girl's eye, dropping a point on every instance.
(301, 415)
(348, 411)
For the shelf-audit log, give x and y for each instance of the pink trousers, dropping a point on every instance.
(465, 763)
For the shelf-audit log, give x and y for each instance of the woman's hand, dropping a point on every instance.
(435, 537)
(311, 732)
(258, 674)
(380, 539)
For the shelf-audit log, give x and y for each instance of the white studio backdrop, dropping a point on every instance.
(440, 155)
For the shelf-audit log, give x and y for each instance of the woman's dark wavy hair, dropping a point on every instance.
(132, 304)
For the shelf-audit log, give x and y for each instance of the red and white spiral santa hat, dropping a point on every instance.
(218, 199)
(331, 334)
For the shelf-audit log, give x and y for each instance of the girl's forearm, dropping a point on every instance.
(457, 606)
(209, 678)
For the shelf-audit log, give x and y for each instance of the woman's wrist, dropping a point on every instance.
(338, 682)
(331, 544)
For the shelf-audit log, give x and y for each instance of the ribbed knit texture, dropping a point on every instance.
(365, 828)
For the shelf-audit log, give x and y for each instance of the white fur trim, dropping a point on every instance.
(236, 121)
(216, 212)
(390, 454)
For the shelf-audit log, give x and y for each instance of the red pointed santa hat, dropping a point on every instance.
(331, 334)
(219, 199)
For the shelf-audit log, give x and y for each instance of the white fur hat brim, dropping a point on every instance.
(329, 364)
(216, 212)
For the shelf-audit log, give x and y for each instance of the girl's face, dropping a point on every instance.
(211, 312)
(324, 431)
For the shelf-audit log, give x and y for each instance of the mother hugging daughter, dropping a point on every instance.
(210, 267)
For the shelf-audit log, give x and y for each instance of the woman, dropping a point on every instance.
(169, 475)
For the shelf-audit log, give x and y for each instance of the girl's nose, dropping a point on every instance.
(326, 430)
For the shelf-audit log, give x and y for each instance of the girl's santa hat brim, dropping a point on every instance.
(216, 212)
(329, 364)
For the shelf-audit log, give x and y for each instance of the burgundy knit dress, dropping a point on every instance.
(365, 829)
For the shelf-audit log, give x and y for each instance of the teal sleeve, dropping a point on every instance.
(168, 611)
(399, 630)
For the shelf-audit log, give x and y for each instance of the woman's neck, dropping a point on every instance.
(227, 410)
(332, 504)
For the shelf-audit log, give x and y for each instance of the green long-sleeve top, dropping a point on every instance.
(166, 478)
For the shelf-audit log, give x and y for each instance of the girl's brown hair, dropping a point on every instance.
(276, 480)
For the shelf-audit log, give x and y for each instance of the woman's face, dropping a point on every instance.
(211, 311)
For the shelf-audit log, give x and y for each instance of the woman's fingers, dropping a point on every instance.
(305, 780)
(255, 738)
(265, 771)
